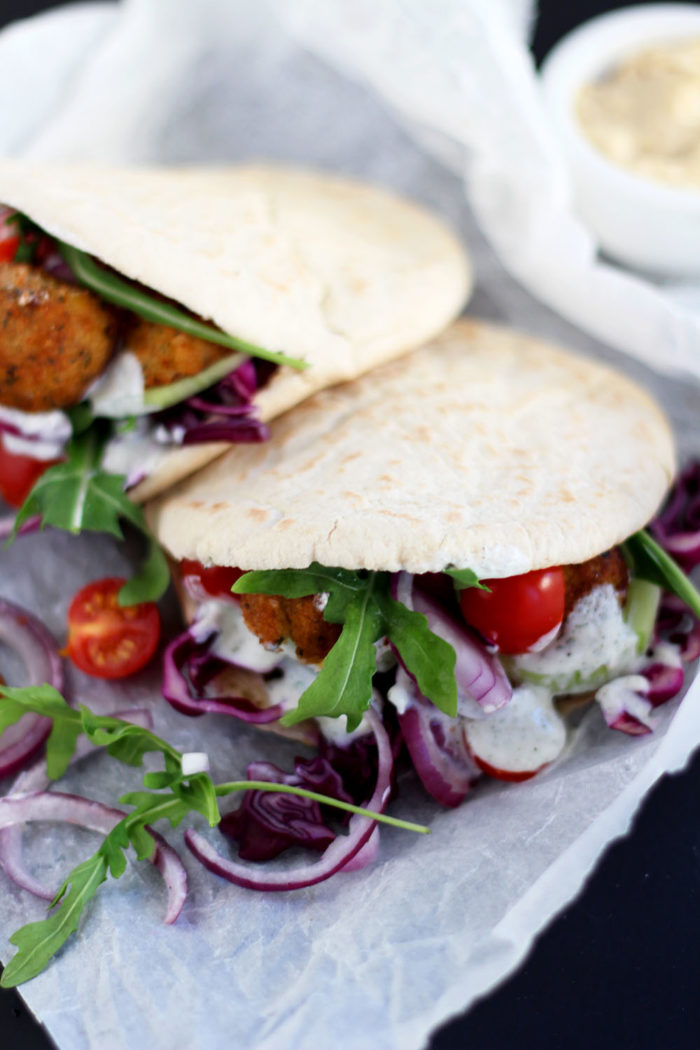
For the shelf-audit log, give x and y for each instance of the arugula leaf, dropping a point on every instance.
(341, 585)
(60, 746)
(651, 562)
(39, 941)
(344, 683)
(81, 417)
(429, 657)
(40, 699)
(116, 290)
(77, 495)
(464, 578)
(361, 602)
(153, 578)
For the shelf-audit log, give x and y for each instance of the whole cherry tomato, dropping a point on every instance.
(518, 610)
(18, 474)
(216, 581)
(109, 640)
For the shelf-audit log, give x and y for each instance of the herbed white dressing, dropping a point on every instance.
(521, 737)
(595, 644)
(42, 435)
(119, 392)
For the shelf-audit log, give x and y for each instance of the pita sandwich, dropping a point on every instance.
(486, 449)
(336, 275)
(449, 547)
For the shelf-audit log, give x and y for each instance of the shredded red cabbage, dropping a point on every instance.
(224, 412)
(188, 666)
(264, 825)
(677, 527)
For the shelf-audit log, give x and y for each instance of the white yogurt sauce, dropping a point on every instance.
(44, 435)
(522, 736)
(234, 642)
(135, 453)
(400, 693)
(622, 696)
(118, 392)
(596, 643)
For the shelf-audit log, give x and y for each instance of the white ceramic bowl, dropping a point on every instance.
(642, 223)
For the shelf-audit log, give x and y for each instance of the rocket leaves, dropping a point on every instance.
(37, 942)
(77, 495)
(361, 602)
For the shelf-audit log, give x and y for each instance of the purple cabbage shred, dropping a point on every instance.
(224, 412)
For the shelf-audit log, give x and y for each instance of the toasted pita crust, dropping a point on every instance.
(340, 273)
(487, 449)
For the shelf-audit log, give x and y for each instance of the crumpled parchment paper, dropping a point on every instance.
(379, 957)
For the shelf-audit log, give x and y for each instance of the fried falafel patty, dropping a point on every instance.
(274, 619)
(167, 355)
(55, 339)
(579, 580)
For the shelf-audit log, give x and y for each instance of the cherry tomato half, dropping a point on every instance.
(18, 474)
(517, 610)
(216, 581)
(109, 640)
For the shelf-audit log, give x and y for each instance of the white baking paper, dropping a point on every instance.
(380, 957)
(477, 104)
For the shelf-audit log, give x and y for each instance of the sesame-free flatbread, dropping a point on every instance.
(486, 449)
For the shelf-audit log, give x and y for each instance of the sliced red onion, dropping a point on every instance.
(625, 704)
(365, 856)
(341, 851)
(436, 746)
(178, 688)
(36, 648)
(7, 524)
(677, 527)
(482, 684)
(73, 809)
(35, 779)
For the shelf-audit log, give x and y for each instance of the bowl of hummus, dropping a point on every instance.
(623, 94)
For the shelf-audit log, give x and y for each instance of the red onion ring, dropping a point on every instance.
(179, 692)
(480, 676)
(36, 648)
(446, 772)
(340, 852)
(36, 779)
(84, 812)
(7, 524)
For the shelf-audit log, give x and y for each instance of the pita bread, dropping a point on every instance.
(487, 449)
(340, 273)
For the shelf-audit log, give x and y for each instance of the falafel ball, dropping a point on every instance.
(55, 339)
(167, 355)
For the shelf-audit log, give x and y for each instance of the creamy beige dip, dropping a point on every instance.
(644, 114)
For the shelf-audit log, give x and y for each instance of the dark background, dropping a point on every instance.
(620, 968)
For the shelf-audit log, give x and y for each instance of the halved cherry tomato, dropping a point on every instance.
(517, 610)
(505, 774)
(216, 581)
(8, 248)
(108, 640)
(18, 474)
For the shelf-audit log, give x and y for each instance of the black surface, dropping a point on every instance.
(619, 968)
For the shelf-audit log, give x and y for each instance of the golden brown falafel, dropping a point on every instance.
(275, 619)
(55, 339)
(167, 355)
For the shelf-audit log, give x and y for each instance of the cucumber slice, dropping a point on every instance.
(159, 397)
(640, 610)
